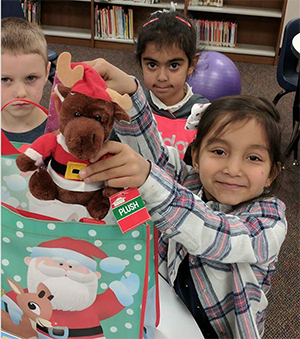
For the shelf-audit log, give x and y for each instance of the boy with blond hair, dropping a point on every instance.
(24, 73)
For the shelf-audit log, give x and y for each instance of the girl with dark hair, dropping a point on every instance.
(221, 226)
(166, 51)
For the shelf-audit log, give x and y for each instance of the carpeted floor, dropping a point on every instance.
(283, 317)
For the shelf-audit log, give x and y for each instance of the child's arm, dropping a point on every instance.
(253, 234)
(142, 134)
(115, 78)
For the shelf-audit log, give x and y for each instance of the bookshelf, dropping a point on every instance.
(67, 21)
(260, 23)
(259, 28)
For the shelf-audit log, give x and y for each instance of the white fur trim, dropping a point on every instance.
(61, 98)
(62, 141)
(34, 155)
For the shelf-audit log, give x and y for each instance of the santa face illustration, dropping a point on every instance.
(74, 285)
(68, 269)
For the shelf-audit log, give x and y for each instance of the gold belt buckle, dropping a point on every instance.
(73, 169)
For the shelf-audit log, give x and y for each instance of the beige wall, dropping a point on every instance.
(292, 11)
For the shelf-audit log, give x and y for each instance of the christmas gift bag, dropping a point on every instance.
(72, 279)
(65, 275)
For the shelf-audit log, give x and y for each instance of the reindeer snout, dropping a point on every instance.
(84, 137)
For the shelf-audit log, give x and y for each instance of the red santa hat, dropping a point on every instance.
(68, 248)
(91, 84)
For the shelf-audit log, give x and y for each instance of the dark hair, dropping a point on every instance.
(171, 28)
(241, 108)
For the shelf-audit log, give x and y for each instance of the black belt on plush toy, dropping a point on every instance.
(65, 332)
(69, 171)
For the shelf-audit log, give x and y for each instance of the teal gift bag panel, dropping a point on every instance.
(15, 192)
(14, 184)
(97, 277)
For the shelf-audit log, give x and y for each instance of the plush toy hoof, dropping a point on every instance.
(42, 186)
(109, 191)
(98, 206)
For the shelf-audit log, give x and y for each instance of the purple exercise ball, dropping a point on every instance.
(215, 76)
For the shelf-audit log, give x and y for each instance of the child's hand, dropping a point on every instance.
(125, 168)
(113, 76)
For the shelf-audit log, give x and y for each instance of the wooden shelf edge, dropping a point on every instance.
(254, 59)
(117, 40)
(246, 49)
(239, 10)
(138, 4)
(113, 45)
(68, 41)
(67, 32)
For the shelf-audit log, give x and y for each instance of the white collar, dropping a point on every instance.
(174, 108)
(62, 141)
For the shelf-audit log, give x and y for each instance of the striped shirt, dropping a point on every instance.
(233, 250)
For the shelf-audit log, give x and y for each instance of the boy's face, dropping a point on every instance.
(235, 166)
(22, 77)
(165, 71)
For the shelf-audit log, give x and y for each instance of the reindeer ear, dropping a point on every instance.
(62, 90)
(59, 94)
(17, 288)
(65, 74)
(120, 114)
(123, 100)
(57, 102)
(43, 290)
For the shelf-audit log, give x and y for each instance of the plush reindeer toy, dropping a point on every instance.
(87, 109)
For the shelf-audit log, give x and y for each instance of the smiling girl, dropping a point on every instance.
(221, 226)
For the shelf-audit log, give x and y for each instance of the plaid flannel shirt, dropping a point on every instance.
(232, 251)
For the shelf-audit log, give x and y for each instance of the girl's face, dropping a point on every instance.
(234, 167)
(165, 71)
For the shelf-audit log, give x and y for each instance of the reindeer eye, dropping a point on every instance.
(77, 115)
(35, 308)
(98, 118)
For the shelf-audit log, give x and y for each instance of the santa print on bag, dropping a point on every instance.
(68, 269)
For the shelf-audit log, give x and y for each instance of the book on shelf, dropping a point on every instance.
(113, 22)
(217, 3)
(32, 10)
(216, 33)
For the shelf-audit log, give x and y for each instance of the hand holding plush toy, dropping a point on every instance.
(87, 109)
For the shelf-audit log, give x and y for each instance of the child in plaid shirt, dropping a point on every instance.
(221, 227)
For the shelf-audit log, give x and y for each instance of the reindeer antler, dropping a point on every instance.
(123, 101)
(65, 74)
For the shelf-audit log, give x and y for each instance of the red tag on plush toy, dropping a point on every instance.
(129, 209)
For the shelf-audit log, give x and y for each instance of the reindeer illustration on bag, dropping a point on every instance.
(30, 309)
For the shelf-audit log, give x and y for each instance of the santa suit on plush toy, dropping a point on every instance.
(60, 166)
(67, 267)
(64, 167)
